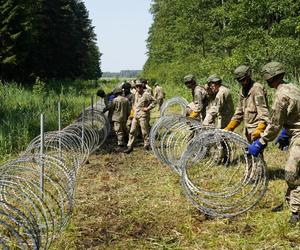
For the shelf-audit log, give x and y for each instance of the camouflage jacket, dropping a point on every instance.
(159, 93)
(144, 100)
(252, 108)
(285, 113)
(200, 96)
(120, 108)
(221, 109)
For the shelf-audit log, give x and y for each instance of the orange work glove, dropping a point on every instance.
(194, 115)
(231, 125)
(258, 131)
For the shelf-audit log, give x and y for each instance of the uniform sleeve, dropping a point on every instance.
(239, 113)
(278, 116)
(110, 106)
(128, 108)
(213, 112)
(262, 106)
(155, 92)
(152, 102)
(198, 101)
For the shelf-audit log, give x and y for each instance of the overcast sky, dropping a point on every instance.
(122, 28)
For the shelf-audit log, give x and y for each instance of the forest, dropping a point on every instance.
(215, 36)
(49, 39)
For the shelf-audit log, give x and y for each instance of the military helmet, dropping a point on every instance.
(101, 93)
(189, 78)
(242, 72)
(272, 69)
(143, 80)
(126, 85)
(214, 78)
(117, 90)
(138, 83)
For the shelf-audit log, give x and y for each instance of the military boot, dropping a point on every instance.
(294, 219)
(277, 208)
(128, 150)
(119, 148)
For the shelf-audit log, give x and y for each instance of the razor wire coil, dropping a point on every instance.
(173, 103)
(217, 175)
(36, 206)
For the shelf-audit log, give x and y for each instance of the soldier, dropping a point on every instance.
(130, 96)
(285, 113)
(159, 95)
(120, 109)
(143, 103)
(210, 97)
(103, 102)
(127, 92)
(252, 107)
(197, 108)
(222, 108)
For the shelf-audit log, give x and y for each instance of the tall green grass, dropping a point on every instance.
(20, 110)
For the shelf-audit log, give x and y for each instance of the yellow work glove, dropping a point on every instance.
(231, 125)
(194, 115)
(131, 115)
(257, 132)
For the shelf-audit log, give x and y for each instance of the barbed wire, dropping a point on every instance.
(177, 103)
(37, 190)
(217, 174)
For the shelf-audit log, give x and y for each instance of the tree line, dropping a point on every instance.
(215, 36)
(50, 39)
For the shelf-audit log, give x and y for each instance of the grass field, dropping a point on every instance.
(135, 202)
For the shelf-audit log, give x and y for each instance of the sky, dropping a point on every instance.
(122, 28)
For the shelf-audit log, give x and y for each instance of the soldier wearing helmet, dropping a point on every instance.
(198, 106)
(285, 114)
(221, 109)
(251, 109)
(159, 95)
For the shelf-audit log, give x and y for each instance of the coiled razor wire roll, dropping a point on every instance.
(217, 174)
(169, 138)
(31, 216)
(175, 105)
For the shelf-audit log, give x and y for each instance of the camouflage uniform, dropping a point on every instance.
(196, 109)
(159, 95)
(252, 109)
(221, 109)
(200, 101)
(286, 113)
(120, 109)
(141, 118)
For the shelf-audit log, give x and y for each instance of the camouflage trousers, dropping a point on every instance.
(121, 132)
(292, 175)
(159, 103)
(143, 122)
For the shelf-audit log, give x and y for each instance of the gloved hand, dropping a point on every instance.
(256, 134)
(255, 148)
(231, 125)
(282, 139)
(193, 115)
(132, 113)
